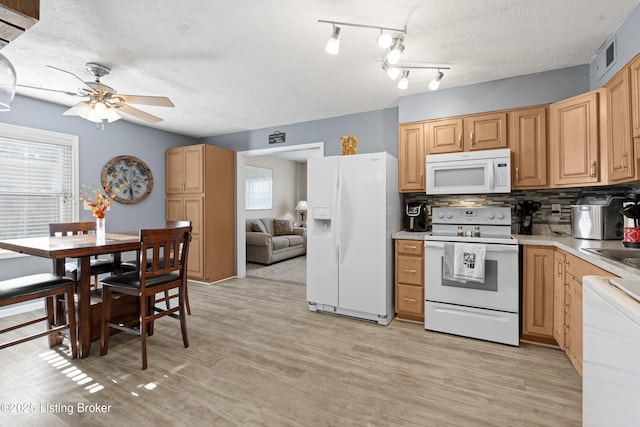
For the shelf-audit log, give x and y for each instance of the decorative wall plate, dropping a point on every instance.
(131, 176)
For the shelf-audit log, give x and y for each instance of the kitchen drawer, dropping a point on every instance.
(409, 270)
(410, 300)
(410, 247)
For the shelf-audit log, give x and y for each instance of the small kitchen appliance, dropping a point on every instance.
(631, 213)
(469, 172)
(597, 218)
(415, 216)
(524, 212)
(486, 309)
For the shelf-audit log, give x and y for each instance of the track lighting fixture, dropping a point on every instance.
(435, 83)
(392, 72)
(333, 45)
(396, 51)
(385, 40)
(403, 84)
(391, 39)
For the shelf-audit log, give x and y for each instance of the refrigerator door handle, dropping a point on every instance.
(338, 220)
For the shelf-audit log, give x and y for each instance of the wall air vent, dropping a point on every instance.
(606, 57)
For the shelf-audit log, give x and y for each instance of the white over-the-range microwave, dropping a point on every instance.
(471, 172)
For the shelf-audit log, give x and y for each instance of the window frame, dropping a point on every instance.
(44, 136)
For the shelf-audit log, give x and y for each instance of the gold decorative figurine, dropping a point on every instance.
(349, 144)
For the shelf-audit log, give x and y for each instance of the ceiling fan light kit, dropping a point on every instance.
(395, 47)
(105, 104)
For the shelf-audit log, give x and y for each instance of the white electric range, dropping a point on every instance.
(487, 309)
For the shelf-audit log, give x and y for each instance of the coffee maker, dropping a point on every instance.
(415, 216)
(524, 212)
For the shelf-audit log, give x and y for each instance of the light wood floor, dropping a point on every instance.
(258, 357)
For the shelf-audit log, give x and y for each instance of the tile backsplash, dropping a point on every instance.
(543, 221)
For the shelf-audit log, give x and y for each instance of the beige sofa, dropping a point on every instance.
(271, 245)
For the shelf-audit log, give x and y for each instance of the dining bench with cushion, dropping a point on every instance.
(36, 286)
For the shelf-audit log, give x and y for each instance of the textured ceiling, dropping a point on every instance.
(230, 66)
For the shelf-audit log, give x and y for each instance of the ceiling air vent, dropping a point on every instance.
(606, 57)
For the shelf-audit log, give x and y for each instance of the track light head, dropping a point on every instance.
(435, 83)
(333, 45)
(403, 84)
(392, 72)
(385, 40)
(396, 51)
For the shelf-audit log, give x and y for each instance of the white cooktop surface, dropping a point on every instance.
(629, 287)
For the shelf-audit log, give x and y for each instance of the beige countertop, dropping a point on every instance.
(567, 244)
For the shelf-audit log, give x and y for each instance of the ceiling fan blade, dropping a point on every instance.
(69, 72)
(138, 113)
(159, 101)
(51, 90)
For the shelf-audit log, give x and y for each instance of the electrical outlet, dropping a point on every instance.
(556, 209)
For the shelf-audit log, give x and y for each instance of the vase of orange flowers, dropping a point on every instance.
(98, 203)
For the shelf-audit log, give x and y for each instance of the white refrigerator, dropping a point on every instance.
(353, 208)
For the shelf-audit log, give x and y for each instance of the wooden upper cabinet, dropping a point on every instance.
(528, 142)
(634, 70)
(185, 173)
(485, 131)
(444, 136)
(574, 141)
(620, 159)
(411, 158)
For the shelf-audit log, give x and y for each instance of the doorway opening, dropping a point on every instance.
(298, 153)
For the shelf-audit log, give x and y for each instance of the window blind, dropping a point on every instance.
(36, 182)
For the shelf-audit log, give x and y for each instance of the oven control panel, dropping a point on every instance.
(476, 216)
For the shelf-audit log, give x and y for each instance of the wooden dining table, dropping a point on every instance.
(82, 247)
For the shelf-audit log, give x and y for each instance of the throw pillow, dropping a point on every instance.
(282, 227)
(258, 227)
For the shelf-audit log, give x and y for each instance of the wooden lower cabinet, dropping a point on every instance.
(409, 280)
(575, 270)
(559, 260)
(538, 293)
(552, 298)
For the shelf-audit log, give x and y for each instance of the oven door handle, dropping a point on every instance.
(490, 247)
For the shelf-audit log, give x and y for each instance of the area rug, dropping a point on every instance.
(291, 270)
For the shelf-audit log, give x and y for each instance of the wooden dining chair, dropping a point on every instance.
(163, 253)
(133, 266)
(98, 265)
(36, 286)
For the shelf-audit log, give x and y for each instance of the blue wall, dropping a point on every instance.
(628, 41)
(96, 147)
(376, 131)
(514, 92)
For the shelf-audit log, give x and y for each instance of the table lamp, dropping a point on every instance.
(302, 208)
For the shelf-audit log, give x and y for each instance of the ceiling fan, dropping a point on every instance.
(104, 103)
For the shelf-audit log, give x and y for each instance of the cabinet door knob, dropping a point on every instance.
(471, 136)
(593, 169)
(409, 299)
(409, 271)
(517, 174)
